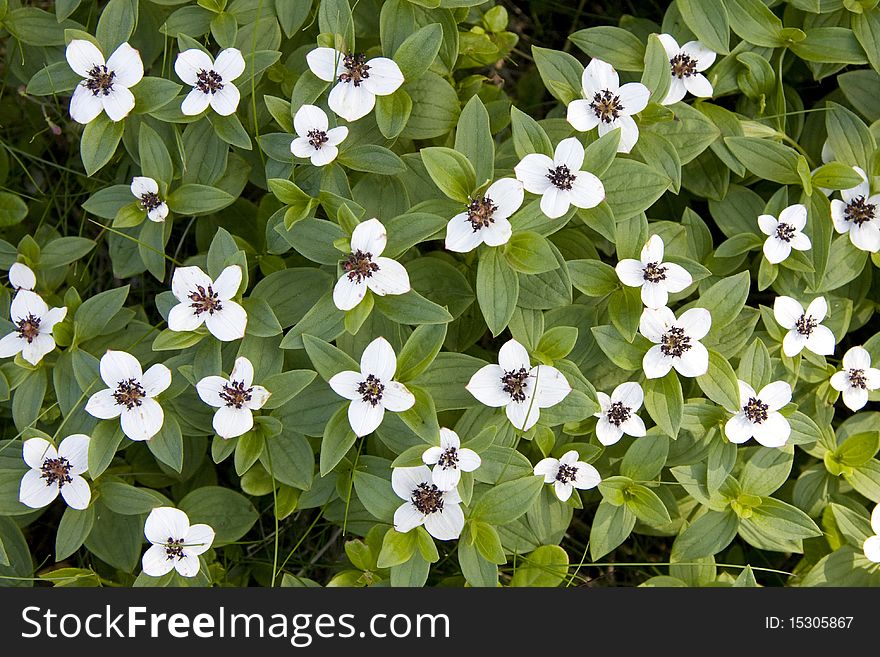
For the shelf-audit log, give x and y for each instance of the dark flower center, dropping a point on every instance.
(566, 473)
(100, 80)
(561, 177)
(235, 394)
(755, 410)
(857, 379)
(371, 389)
(359, 266)
(129, 393)
(858, 211)
(28, 328)
(516, 383)
(606, 105)
(785, 232)
(448, 459)
(150, 201)
(674, 342)
(617, 414)
(480, 211)
(356, 69)
(317, 138)
(654, 272)
(209, 82)
(683, 66)
(427, 498)
(174, 548)
(56, 471)
(205, 300)
(805, 325)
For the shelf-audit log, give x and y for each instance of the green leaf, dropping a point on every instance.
(167, 445)
(706, 536)
(230, 514)
(766, 159)
(155, 160)
(529, 253)
(545, 566)
(719, 383)
(327, 359)
(497, 289)
(708, 21)
(506, 502)
(397, 548)
(72, 531)
(99, 141)
(646, 505)
(393, 112)
(726, 299)
(95, 313)
(632, 187)
(473, 138)
(420, 350)
(560, 72)
(528, 135)
(194, 199)
(615, 45)
(417, 52)
(412, 308)
(754, 22)
(656, 75)
(337, 440)
(451, 171)
(858, 449)
(12, 209)
(373, 159)
(664, 403)
(611, 526)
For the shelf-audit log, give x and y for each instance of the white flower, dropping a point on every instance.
(316, 141)
(358, 80)
(759, 415)
(234, 398)
(130, 395)
(371, 390)
(784, 234)
(656, 278)
(857, 214)
(560, 181)
(804, 327)
(486, 220)
(856, 378)
(211, 80)
(210, 302)
(871, 546)
(450, 460)
(676, 341)
(52, 472)
(426, 504)
(686, 65)
(176, 545)
(608, 105)
(567, 473)
(617, 413)
(365, 268)
(22, 277)
(106, 85)
(522, 389)
(146, 191)
(33, 323)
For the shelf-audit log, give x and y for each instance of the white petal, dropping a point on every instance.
(300, 147)
(324, 155)
(551, 386)
(199, 538)
(629, 394)
(345, 384)
(787, 311)
(117, 366)
(569, 152)
(379, 360)
(431, 455)
(126, 63)
(34, 351)
(391, 278)
(608, 433)
(677, 277)
(77, 493)
(51, 318)
(348, 292)
(555, 202)
(336, 136)
(507, 194)
(461, 236)
(654, 322)
(634, 97)
(188, 565)
(513, 356)
(209, 390)
(230, 422)
(36, 450)
(599, 76)
(800, 242)
(745, 392)
(775, 395)
(693, 362)
(159, 213)
(532, 172)
(587, 476)
(629, 134)
(445, 478)
(405, 480)
(821, 341)
(447, 524)
(11, 344)
(468, 460)
(581, 116)
(165, 522)
(27, 303)
(229, 64)
(156, 562)
(653, 250)
(696, 322)
(587, 191)
(326, 63)
(794, 215)
(862, 189)
(776, 250)
(385, 76)
(182, 317)
(523, 415)
(670, 45)
(698, 85)
(875, 519)
(486, 386)
(75, 448)
(187, 280)
(259, 397)
(369, 237)
(654, 295)
(190, 63)
(871, 548)
(227, 283)
(243, 371)
(631, 272)
(738, 429)
(676, 92)
(156, 380)
(840, 381)
(83, 56)
(229, 323)
(817, 309)
(634, 426)
(772, 432)
(225, 101)
(866, 237)
(34, 491)
(144, 421)
(767, 223)
(103, 405)
(364, 417)
(351, 102)
(793, 343)
(396, 397)
(547, 468)
(118, 103)
(696, 50)
(838, 216)
(195, 103)
(141, 185)
(407, 517)
(563, 491)
(22, 277)
(857, 358)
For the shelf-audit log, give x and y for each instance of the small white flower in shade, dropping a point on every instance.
(567, 473)
(857, 378)
(617, 413)
(235, 399)
(804, 326)
(784, 234)
(130, 395)
(364, 268)
(560, 181)
(316, 140)
(33, 322)
(106, 85)
(176, 545)
(450, 460)
(871, 546)
(676, 341)
(56, 471)
(487, 218)
(212, 81)
(686, 65)
(22, 277)
(522, 389)
(426, 504)
(210, 302)
(358, 80)
(608, 105)
(859, 215)
(372, 390)
(759, 415)
(146, 191)
(656, 278)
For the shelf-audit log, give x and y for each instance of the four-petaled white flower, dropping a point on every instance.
(618, 413)
(759, 415)
(676, 341)
(33, 322)
(372, 390)
(784, 234)
(858, 214)
(686, 65)
(130, 395)
(146, 191)
(567, 473)
(426, 504)
(176, 545)
(106, 84)
(235, 399)
(22, 277)
(857, 378)
(450, 460)
(522, 389)
(871, 546)
(316, 140)
(608, 105)
(804, 327)
(358, 80)
(487, 218)
(656, 278)
(56, 471)
(211, 81)
(560, 181)
(210, 302)
(364, 268)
